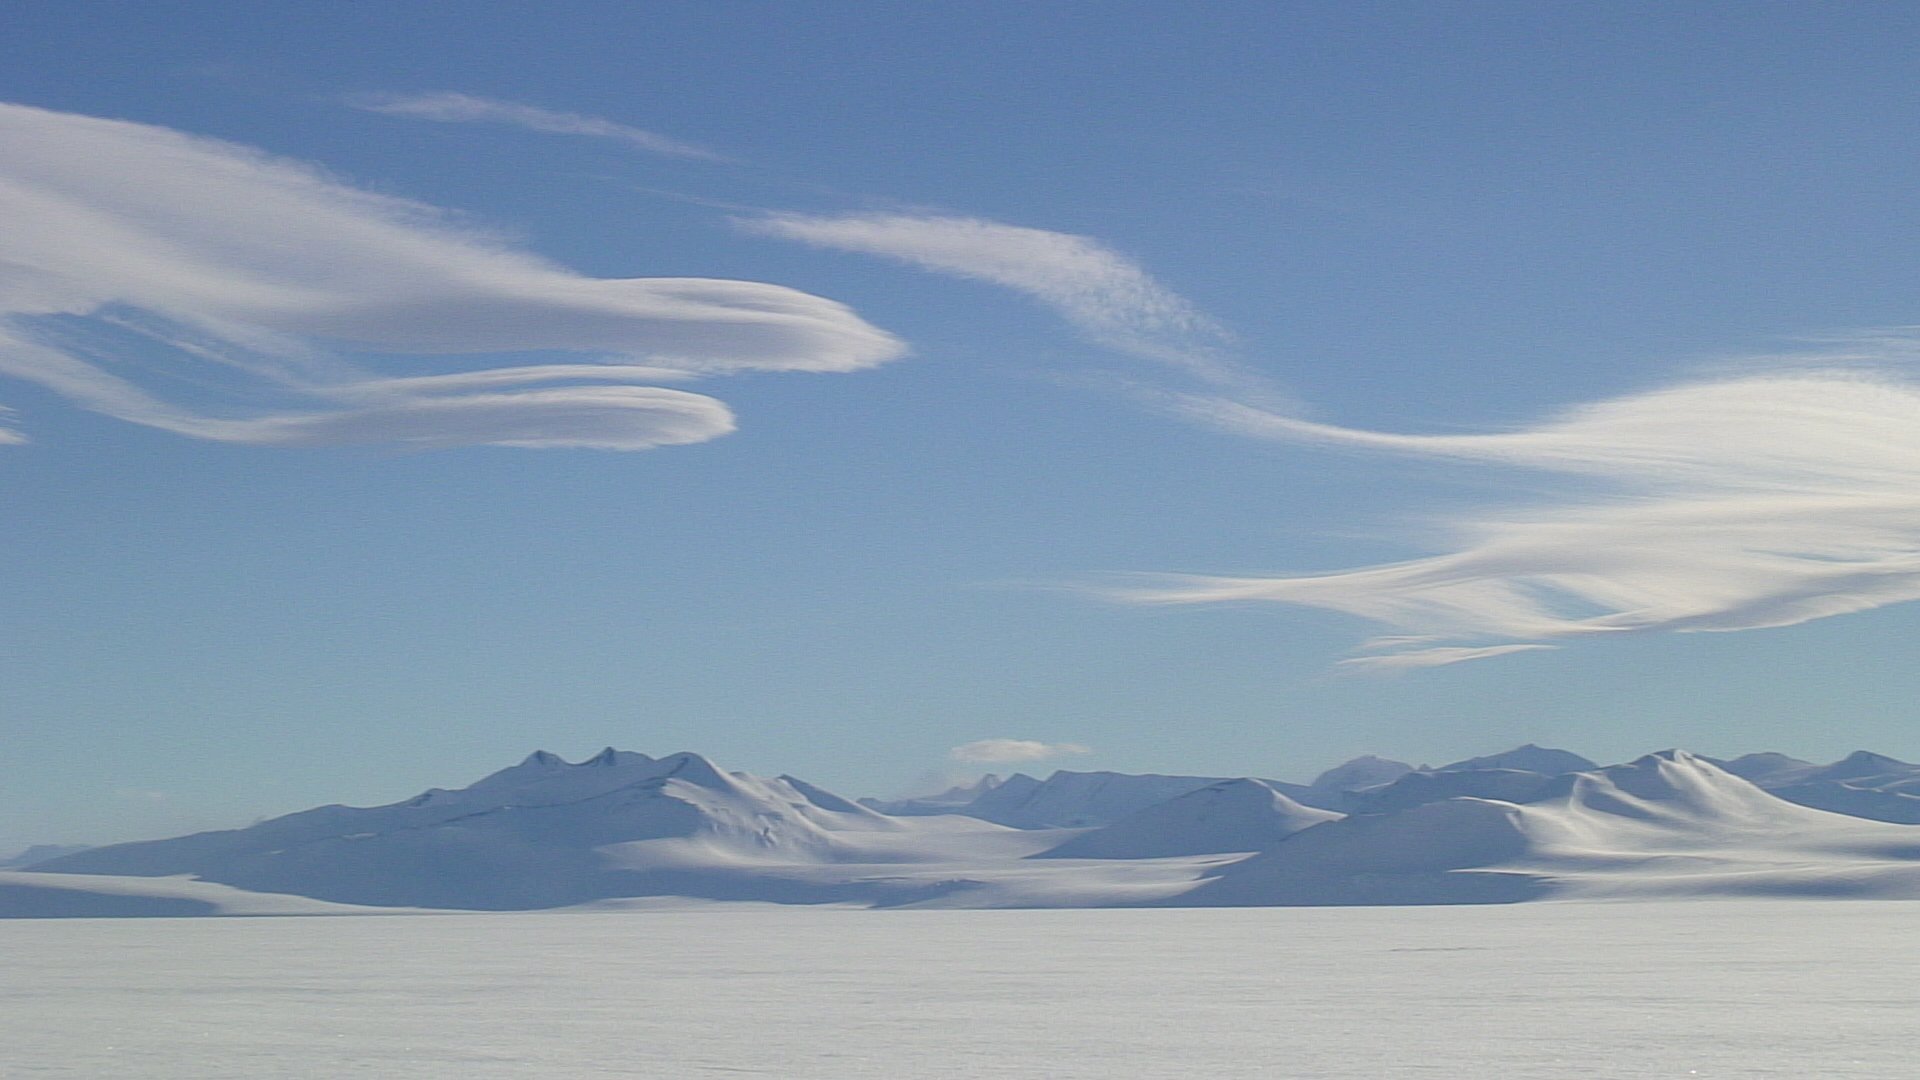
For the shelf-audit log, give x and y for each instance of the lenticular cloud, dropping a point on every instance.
(1730, 505)
(1006, 751)
(133, 251)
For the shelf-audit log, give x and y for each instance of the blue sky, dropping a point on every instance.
(1475, 356)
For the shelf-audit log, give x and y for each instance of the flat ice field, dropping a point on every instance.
(1553, 990)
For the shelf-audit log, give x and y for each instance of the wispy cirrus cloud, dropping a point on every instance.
(1103, 294)
(1009, 751)
(1733, 504)
(453, 108)
(136, 256)
(1725, 504)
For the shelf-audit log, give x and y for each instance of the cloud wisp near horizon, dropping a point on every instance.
(1012, 751)
(1736, 503)
(132, 247)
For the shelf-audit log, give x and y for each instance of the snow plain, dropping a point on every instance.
(1606, 991)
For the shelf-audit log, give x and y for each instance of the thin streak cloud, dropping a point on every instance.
(136, 255)
(1103, 294)
(453, 108)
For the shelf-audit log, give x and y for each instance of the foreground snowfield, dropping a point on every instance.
(1553, 990)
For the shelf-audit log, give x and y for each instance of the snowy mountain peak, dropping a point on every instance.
(1765, 766)
(1362, 772)
(1075, 799)
(548, 770)
(1425, 786)
(694, 769)
(824, 799)
(1865, 763)
(954, 800)
(1667, 786)
(1863, 784)
(1231, 815)
(1530, 758)
(538, 834)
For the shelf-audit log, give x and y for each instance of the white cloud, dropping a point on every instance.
(1434, 657)
(130, 251)
(452, 108)
(1735, 504)
(1102, 293)
(1008, 751)
(1730, 504)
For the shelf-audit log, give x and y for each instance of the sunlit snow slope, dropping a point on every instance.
(1666, 824)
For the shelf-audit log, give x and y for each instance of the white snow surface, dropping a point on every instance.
(24, 894)
(1712, 989)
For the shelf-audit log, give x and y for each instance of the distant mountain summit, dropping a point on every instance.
(1075, 799)
(1425, 786)
(1068, 799)
(539, 834)
(1763, 767)
(1862, 784)
(953, 800)
(1362, 772)
(1232, 815)
(1528, 758)
(1522, 774)
(40, 853)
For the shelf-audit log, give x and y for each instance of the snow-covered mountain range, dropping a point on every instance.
(626, 829)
